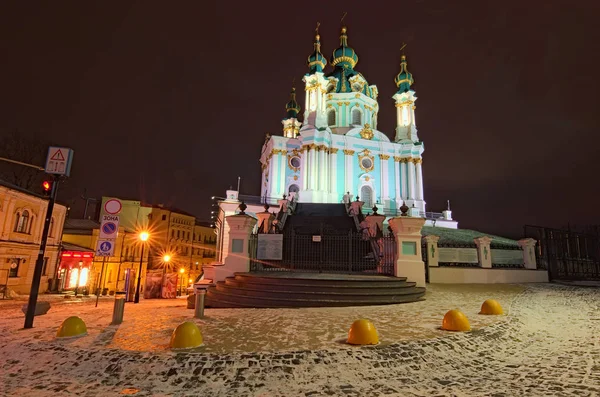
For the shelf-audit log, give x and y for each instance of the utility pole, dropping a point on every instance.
(37, 272)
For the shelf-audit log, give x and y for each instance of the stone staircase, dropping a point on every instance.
(288, 289)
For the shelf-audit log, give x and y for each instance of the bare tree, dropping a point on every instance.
(15, 146)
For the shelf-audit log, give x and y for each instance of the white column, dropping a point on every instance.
(304, 168)
(419, 180)
(396, 164)
(411, 179)
(404, 179)
(272, 185)
(313, 168)
(384, 164)
(333, 170)
(282, 164)
(322, 168)
(348, 155)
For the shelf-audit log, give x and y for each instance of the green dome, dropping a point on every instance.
(404, 79)
(344, 56)
(316, 61)
(292, 108)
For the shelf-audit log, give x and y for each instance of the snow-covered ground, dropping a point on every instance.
(549, 344)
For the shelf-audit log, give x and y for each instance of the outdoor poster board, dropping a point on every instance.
(270, 246)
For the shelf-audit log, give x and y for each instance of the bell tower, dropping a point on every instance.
(406, 126)
(315, 87)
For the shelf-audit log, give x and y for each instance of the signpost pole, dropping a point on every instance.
(37, 272)
(100, 280)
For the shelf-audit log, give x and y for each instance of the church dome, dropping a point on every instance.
(344, 56)
(317, 61)
(404, 79)
(292, 108)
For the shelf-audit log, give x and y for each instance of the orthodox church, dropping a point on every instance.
(337, 153)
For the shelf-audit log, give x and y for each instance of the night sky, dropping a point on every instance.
(170, 101)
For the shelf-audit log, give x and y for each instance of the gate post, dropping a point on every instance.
(236, 259)
(528, 245)
(433, 259)
(484, 251)
(409, 262)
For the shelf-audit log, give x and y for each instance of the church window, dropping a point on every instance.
(356, 117)
(366, 196)
(366, 163)
(294, 189)
(295, 162)
(22, 222)
(331, 118)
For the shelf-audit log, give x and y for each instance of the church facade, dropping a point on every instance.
(337, 148)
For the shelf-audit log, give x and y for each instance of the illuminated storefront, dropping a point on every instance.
(75, 265)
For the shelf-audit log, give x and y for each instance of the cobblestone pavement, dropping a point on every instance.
(549, 344)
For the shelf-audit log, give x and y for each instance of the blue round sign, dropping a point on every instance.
(109, 228)
(105, 246)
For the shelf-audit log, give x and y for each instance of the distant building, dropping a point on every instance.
(22, 215)
(177, 241)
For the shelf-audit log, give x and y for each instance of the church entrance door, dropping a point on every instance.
(366, 196)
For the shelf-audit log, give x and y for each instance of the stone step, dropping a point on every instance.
(367, 294)
(300, 286)
(216, 298)
(320, 279)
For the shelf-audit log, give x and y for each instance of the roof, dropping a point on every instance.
(73, 247)
(20, 189)
(80, 226)
(464, 237)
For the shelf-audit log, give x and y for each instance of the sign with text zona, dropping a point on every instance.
(59, 161)
(109, 226)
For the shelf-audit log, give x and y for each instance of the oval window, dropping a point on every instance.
(295, 162)
(367, 163)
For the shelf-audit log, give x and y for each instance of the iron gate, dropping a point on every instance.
(330, 253)
(567, 255)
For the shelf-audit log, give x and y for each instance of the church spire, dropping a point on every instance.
(291, 125)
(406, 126)
(404, 79)
(292, 108)
(316, 61)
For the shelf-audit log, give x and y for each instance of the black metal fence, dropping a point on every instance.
(567, 255)
(329, 253)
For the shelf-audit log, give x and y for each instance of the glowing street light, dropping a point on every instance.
(167, 258)
(144, 236)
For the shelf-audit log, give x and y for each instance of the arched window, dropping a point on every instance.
(22, 223)
(331, 118)
(31, 223)
(366, 196)
(356, 117)
(17, 219)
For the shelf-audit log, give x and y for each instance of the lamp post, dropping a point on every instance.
(78, 277)
(143, 238)
(182, 270)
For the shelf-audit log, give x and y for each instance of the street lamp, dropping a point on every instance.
(143, 238)
(78, 277)
(182, 270)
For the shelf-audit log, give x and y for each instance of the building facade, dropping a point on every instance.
(337, 149)
(22, 215)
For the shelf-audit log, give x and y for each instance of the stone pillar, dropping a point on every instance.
(236, 258)
(385, 192)
(313, 167)
(484, 251)
(375, 221)
(407, 233)
(528, 245)
(403, 179)
(321, 154)
(398, 195)
(282, 165)
(264, 220)
(433, 259)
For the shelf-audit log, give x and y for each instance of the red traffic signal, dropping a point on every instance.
(47, 187)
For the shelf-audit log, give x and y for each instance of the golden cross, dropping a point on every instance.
(317, 29)
(343, 16)
(402, 48)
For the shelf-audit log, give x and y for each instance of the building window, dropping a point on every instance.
(356, 117)
(51, 230)
(187, 236)
(178, 233)
(172, 233)
(164, 217)
(14, 267)
(331, 118)
(22, 222)
(45, 267)
(366, 196)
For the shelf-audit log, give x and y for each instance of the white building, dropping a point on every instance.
(338, 148)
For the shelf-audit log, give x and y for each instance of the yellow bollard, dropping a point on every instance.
(187, 335)
(455, 320)
(363, 332)
(491, 306)
(72, 326)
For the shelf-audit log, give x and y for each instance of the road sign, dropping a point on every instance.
(59, 161)
(109, 226)
(113, 206)
(105, 247)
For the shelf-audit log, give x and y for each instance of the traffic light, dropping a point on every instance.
(47, 187)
